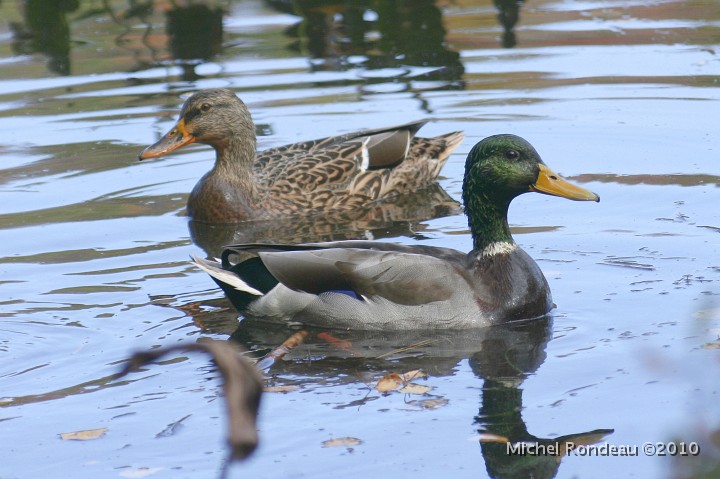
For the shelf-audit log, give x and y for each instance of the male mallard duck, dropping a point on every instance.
(370, 285)
(336, 173)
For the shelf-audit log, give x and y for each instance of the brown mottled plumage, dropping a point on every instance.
(329, 174)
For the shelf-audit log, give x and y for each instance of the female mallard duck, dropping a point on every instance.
(369, 285)
(337, 173)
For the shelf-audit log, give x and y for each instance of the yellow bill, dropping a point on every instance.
(550, 183)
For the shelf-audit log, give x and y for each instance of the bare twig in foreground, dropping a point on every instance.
(242, 385)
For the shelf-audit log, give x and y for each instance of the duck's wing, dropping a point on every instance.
(402, 278)
(385, 147)
(350, 170)
(370, 149)
(254, 249)
(388, 147)
(405, 275)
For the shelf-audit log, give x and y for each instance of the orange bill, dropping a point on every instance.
(174, 139)
(550, 183)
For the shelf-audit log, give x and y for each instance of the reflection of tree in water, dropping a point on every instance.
(412, 33)
(195, 34)
(508, 15)
(329, 29)
(390, 33)
(194, 31)
(46, 31)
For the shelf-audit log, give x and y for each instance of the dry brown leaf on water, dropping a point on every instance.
(389, 382)
(412, 388)
(414, 374)
(86, 435)
(342, 442)
(281, 389)
(395, 381)
(432, 403)
(242, 385)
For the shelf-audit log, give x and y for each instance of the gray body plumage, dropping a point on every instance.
(397, 286)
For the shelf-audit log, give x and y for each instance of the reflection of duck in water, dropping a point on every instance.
(501, 415)
(401, 216)
(501, 355)
(510, 353)
(339, 173)
(386, 286)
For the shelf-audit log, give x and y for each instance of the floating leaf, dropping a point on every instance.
(389, 382)
(425, 404)
(85, 435)
(415, 374)
(395, 381)
(432, 403)
(711, 346)
(281, 389)
(412, 388)
(342, 442)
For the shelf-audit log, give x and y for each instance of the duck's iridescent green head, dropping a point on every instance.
(498, 169)
(505, 166)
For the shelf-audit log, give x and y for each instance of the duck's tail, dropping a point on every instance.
(223, 277)
(441, 147)
(239, 292)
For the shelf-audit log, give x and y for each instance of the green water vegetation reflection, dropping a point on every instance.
(386, 33)
(46, 30)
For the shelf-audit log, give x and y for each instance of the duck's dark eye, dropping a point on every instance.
(512, 154)
(205, 106)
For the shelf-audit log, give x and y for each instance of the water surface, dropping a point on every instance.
(620, 96)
